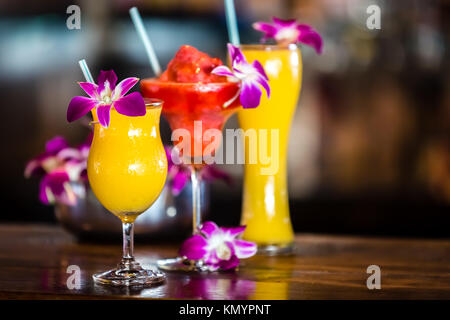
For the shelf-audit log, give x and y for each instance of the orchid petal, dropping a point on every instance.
(103, 115)
(258, 66)
(33, 167)
(84, 151)
(244, 249)
(211, 258)
(234, 232)
(52, 186)
(168, 151)
(49, 164)
(208, 228)
(268, 29)
(283, 23)
(250, 94)
(74, 169)
(236, 54)
(45, 195)
(229, 264)
(90, 89)
(69, 153)
(223, 71)
(250, 75)
(123, 87)
(232, 262)
(106, 76)
(176, 157)
(313, 39)
(78, 107)
(68, 197)
(132, 105)
(56, 144)
(304, 28)
(179, 182)
(265, 85)
(289, 31)
(221, 252)
(194, 247)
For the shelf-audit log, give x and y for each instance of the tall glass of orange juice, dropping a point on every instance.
(127, 169)
(265, 209)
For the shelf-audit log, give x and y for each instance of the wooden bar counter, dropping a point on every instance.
(34, 261)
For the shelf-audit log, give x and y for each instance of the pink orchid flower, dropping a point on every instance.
(76, 159)
(106, 95)
(251, 76)
(55, 187)
(48, 160)
(60, 165)
(289, 31)
(179, 174)
(219, 248)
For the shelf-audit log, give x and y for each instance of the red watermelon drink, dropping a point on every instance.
(193, 96)
(195, 100)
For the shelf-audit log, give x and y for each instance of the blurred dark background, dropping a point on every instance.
(372, 130)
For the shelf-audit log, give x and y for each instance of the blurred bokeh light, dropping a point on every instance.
(372, 131)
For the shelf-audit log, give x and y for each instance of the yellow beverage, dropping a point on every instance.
(127, 164)
(265, 196)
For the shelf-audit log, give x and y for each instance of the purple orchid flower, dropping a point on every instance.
(179, 174)
(251, 77)
(105, 95)
(289, 31)
(48, 160)
(76, 159)
(60, 165)
(55, 187)
(219, 248)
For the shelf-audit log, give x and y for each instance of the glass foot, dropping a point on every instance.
(276, 249)
(129, 274)
(182, 264)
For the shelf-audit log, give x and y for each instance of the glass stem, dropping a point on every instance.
(196, 197)
(128, 241)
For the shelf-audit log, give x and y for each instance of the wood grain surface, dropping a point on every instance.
(34, 261)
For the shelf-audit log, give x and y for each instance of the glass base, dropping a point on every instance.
(182, 264)
(129, 274)
(276, 249)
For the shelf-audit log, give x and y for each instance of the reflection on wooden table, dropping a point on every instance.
(34, 261)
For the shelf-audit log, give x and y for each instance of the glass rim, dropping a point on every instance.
(269, 47)
(153, 103)
(201, 85)
(150, 104)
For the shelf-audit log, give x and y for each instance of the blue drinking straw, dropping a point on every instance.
(139, 25)
(233, 33)
(85, 70)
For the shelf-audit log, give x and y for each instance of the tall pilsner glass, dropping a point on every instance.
(127, 169)
(265, 208)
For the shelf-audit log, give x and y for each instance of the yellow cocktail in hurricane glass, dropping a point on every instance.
(127, 164)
